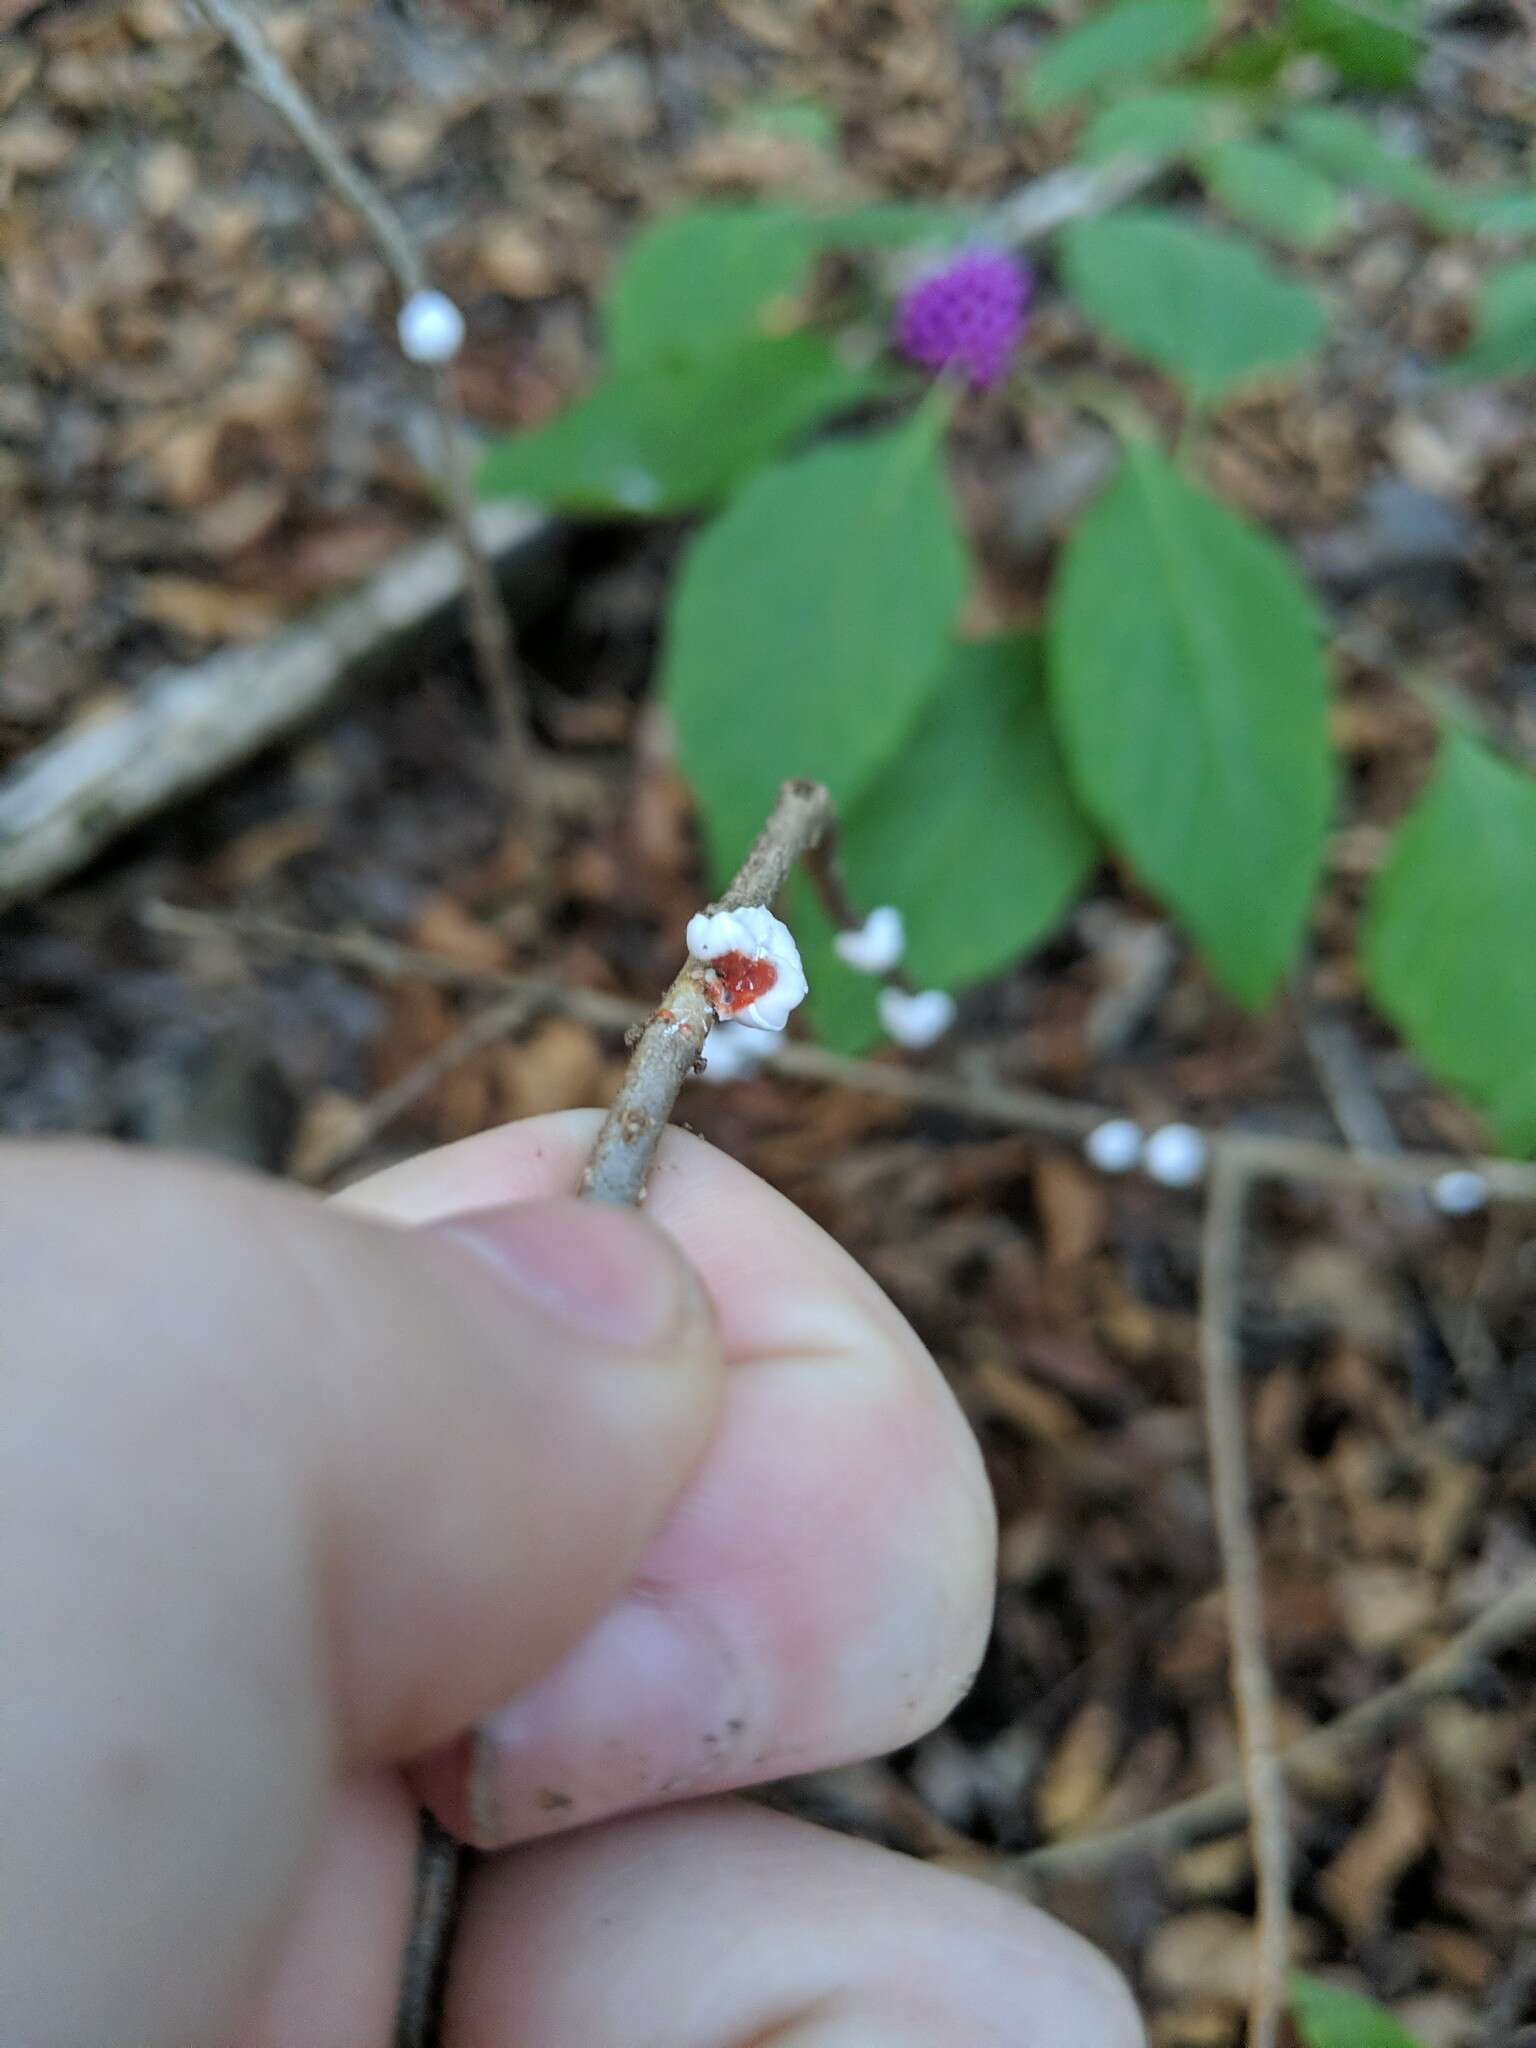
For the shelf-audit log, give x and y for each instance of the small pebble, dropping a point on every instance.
(1115, 1146)
(1175, 1155)
(431, 328)
(1461, 1193)
(878, 944)
(916, 1021)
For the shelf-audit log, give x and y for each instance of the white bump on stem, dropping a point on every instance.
(756, 934)
(1461, 1193)
(1114, 1146)
(916, 1021)
(431, 328)
(878, 944)
(1176, 1155)
(732, 1052)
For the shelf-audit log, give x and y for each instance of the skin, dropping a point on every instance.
(293, 1494)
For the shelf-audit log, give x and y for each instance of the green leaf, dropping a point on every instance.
(1352, 151)
(1189, 694)
(1504, 344)
(1161, 124)
(1363, 52)
(1134, 39)
(1447, 941)
(1205, 307)
(1274, 191)
(978, 13)
(1252, 61)
(698, 280)
(809, 624)
(1327, 2017)
(670, 436)
(972, 832)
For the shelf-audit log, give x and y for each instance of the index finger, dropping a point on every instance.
(824, 1589)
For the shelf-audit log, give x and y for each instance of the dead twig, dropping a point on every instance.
(1510, 1619)
(74, 795)
(668, 1048)
(497, 1021)
(489, 626)
(1221, 1375)
(1262, 1157)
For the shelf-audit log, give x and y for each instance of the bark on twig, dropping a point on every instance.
(74, 795)
(1253, 1693)
(669, 1047)
(489, 626)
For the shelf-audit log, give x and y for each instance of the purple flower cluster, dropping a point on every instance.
(969, 316)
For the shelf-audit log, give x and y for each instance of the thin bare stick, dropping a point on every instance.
(487, 1027)
(1362, 1117)
(1262, 1157)
(668, 1048)
(490, 628)
(1510, 1619)
(1253, 1693)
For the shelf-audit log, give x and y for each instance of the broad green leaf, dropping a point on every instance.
(670, 436)
(1203, 306)
(809, 624)
(1496, 210)
(1189, 694)
(710, 276)
(1504, 343)
(1252, 61)
(1447, 942)
(1350, 149)
(1362, 51)
(972, 832)
(701, 279)
(1133, 39)
(1272, 190)
(1161, 124)
(1327, 2017)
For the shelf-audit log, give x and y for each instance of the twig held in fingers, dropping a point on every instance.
(489, 626)
(670, 1044)
(1253, 1693)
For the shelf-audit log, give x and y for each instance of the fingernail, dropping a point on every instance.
(604, 1272)
(655, 1703)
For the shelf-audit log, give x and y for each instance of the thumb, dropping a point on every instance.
(287, 1492)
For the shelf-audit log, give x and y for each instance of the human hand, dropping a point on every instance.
(290, 1497)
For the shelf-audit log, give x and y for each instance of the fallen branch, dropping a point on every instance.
(1261, 1157)
(1253, 1692)
(73, 796)
(1223, 1808)
(490, 629)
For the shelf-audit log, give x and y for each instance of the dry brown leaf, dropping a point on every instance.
(206, 611)
(1212, 1870)
(561, 1066)
(1202, 1957)
(328, 1128)
(1384, 1606)
(266, 847)
(444, 926)
(512, 261)
(1357, 1884)
(1077, 1777)
(1073, 1205)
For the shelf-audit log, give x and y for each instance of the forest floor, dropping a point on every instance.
(204, 429)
